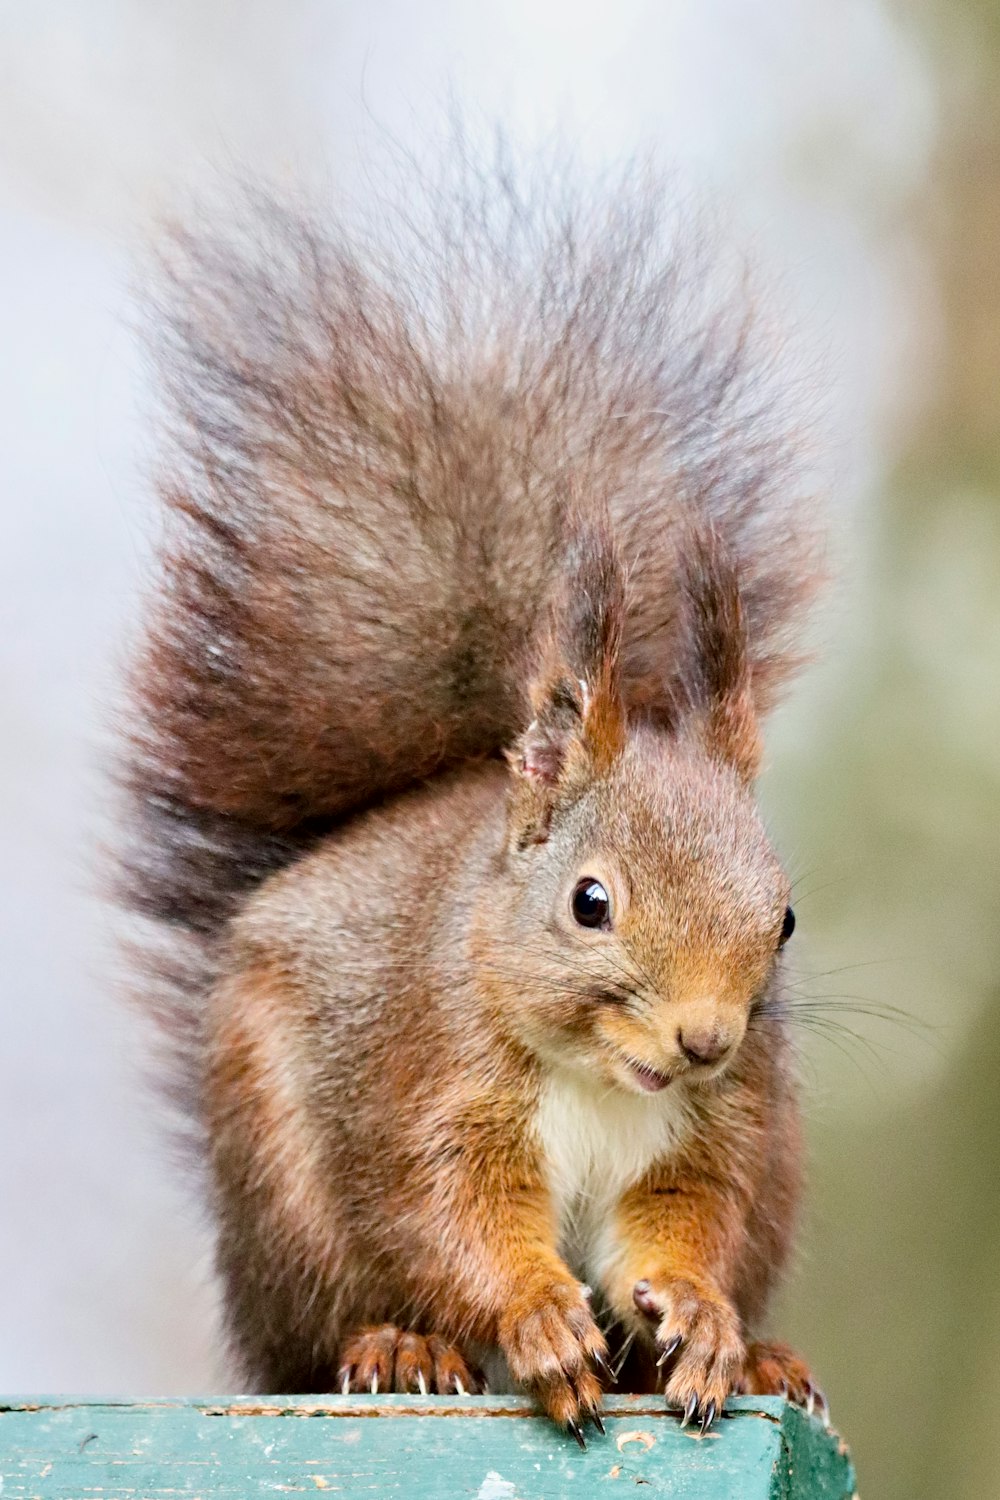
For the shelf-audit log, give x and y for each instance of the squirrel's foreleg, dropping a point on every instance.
(683, 1234)
(494, 1266)
(678, 1239)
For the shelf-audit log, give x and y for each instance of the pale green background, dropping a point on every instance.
(857, 147)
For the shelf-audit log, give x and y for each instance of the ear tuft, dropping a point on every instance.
(720, 684)
(578, 728)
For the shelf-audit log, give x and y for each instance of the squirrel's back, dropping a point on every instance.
(380, 443)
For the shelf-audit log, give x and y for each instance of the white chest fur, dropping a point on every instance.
(598, 1141)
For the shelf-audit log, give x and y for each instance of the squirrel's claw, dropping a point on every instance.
(774, 1370)
(690, 1409)
(555, 1350)
(572, 1403)
(817, 1404)
(700, 1348)
(598, 1422)
(700, 1415)
(389, 1358)
(670, 1350)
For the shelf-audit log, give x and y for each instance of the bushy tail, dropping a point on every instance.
(374, 439)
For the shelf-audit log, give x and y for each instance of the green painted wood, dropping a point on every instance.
(479, 1447)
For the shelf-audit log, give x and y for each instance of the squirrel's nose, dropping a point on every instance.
(703, 1044)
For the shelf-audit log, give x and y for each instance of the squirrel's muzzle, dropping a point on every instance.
(707, 1031)
(703, 1044)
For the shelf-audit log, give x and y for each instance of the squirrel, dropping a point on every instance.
(485, 557)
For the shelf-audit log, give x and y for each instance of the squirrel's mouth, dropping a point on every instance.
(646, 1077)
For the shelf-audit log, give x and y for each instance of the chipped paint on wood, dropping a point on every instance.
(645, 1438)
(495, 1487)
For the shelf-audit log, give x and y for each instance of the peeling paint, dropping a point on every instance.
(645, 1438)
(494, 1487)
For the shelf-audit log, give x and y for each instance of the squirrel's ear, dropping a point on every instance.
(721, 693)
(578, 728)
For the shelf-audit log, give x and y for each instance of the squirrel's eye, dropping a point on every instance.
(787, 927)
(591, 903)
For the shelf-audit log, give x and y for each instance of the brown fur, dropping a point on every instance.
(509, 495)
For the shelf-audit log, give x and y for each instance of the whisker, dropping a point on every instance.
(643, 971)
(799, 894)
(859, 1005)
(623, 1355)
(584, 975)
(868, 963)
(541, 981)
(846, 1041)
(589, 990)
(606, 957)
(830, 1028)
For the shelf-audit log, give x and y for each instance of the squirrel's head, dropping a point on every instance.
(643, 908)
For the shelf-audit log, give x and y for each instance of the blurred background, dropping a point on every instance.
(856, 148)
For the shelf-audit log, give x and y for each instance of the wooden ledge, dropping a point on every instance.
(480, 1447)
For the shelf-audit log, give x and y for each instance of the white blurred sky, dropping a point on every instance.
(809, 124)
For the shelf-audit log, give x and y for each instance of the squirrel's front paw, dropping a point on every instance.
(388, 1358)
(554, 1348)
(700, 1346)
(776, 1370)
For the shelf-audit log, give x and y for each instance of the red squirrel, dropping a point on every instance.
(485, 557)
